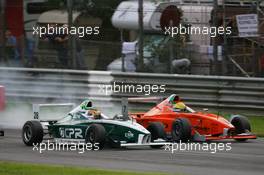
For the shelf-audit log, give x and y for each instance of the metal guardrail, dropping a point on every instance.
(222, 93)
(218, 92)
(52, 84)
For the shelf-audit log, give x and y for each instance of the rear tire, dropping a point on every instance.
(157, 131)
(181, 130)
(241, 125)
(32, 133)
(2, 133)
(96, 135)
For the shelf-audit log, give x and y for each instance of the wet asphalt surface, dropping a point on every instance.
(243, 159)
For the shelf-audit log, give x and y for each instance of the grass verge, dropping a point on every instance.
(14, 168)
(257, 125)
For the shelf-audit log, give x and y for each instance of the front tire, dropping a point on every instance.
(181, 130)
(2, 133)
(96, 135)
(241, 125)
(32, 133)
(157, 131)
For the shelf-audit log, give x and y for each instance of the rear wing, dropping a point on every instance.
(36, 108)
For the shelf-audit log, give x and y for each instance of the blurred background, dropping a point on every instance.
(118, 47)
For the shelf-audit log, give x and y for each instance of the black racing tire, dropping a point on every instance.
(32, 133)
(157, 131)
(241, 124)
(2, 133)
(96, 134)
(181, 130)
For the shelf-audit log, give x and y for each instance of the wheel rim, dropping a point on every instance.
(92, 136)
(176, 131)
(27, 133)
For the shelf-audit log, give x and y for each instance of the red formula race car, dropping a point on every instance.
(183, 123)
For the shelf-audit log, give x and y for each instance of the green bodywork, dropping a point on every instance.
(75, 128)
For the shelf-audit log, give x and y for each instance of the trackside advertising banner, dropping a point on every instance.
(247, 25)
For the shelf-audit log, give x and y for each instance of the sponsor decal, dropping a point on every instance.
(129, 135)
(75, 133)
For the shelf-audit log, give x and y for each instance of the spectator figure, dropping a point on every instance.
(79, 55)
(11, 49)
(30, 45)
(262, 66)
(50, 36)
(61, 45)
(181, 66)
(29, 50)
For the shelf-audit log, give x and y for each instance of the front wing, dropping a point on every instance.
(238, 136)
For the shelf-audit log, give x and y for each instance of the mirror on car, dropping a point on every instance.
(205, 109)
(118, 117)
(176, 110)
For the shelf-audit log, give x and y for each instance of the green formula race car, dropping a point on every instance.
(87, 124)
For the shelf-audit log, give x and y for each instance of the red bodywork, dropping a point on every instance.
(209, 125)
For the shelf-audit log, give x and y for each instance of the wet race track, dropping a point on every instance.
(243, 159)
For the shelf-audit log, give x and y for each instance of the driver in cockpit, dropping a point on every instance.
(89, 111)
(94, 113)
(178, 105)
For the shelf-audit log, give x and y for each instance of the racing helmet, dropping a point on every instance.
(175, 99)
(86, 105)
(180, 105)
